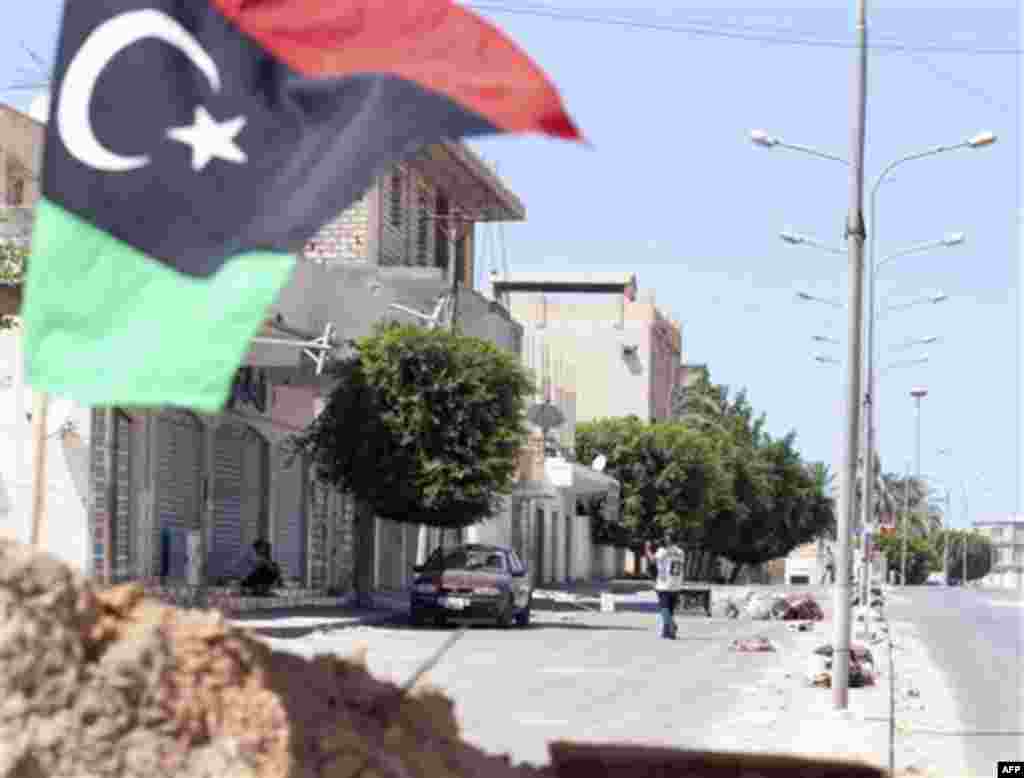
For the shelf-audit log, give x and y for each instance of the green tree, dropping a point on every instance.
(671, 476)
(13, 255)
(423, 426)
(922, 559)
(925, 516)
(777, 502)
(978, 549)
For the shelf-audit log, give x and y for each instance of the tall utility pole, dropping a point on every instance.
(917, 394)
(906, 521)
(947, 538)
(855, 235)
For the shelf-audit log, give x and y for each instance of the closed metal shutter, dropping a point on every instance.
(291, 526)
(254, 488)
(538, 550)
(226, 533)
(178, 484)
(568, 547)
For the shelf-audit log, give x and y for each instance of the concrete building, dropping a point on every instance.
(1007, 536)
(66, 530)
(545, 521)
(192, 492)
(624, 349)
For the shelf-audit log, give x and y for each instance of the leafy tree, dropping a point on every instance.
(424, 426)
(777, 503)
(925, 517)
(922, 559)
(671, 477)
(13, 254)
(978, 549)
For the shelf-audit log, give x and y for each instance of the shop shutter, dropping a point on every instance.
(254, 488)
(291, 530)
(226, 533)
(178, 484)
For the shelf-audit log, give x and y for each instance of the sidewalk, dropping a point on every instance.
(297, 622)
(787, 715)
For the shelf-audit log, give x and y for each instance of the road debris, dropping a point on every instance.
(803, 626)
(861, 672)
(752, 645)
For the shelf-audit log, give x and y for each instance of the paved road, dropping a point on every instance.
(974, 638)
(585, 676)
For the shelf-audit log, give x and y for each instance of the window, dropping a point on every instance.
(396, 197)
(441, 232)
(422, 227)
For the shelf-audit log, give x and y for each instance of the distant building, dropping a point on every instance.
(1007, 537)
(626, 352)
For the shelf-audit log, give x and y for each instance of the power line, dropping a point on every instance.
(741, 33)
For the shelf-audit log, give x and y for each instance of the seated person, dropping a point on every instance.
(261, 572)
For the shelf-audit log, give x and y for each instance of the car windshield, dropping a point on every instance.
(468, 559)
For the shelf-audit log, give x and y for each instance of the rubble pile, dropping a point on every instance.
(113, 684)
(862, 666)
(765, 606)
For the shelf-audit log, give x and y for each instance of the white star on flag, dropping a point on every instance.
(210, 139)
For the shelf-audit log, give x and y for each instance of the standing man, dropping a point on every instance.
(669, 562)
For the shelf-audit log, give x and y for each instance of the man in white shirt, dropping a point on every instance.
(669, 562)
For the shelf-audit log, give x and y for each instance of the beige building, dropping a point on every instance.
(623, 348)
(1007, 537)
(67, 531)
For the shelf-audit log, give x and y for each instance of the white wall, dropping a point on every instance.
(66, 528)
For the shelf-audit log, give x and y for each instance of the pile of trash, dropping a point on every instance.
(862, 666)
(110, 683)
(752, 645)
(766, 606)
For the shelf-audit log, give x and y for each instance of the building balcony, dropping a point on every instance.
(352, 297)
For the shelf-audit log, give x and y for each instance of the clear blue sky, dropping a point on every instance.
(675, 192)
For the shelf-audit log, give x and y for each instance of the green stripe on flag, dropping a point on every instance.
(107, 325)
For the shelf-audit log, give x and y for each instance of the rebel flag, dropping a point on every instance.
(193, 145)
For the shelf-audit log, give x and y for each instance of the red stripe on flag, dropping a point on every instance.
(433, 43)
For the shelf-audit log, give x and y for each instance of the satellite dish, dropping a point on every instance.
(58, 413)
(599, 463)
(545, 415)
(39, 108)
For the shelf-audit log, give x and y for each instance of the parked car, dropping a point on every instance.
(470, 582)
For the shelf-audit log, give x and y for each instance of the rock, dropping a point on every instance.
(111, 683)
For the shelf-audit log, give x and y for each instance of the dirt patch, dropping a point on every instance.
(113, 684)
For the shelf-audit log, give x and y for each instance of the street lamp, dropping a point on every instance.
(916, 342)
(843, 620)
(918, 393)
(827, 360)
(979, 140)
(762, 138)
(932, 299)
(796, 239)
(814, 298)
(826, 339)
